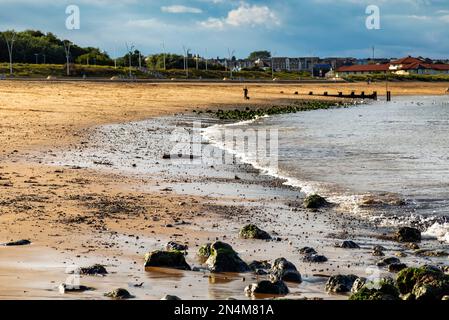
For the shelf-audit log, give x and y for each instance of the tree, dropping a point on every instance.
(10, 38)
(95, 57)
(259, 55)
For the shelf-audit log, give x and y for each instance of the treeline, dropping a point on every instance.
(31, 46)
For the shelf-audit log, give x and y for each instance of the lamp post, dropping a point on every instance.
(130, 52)
(164, 54)
(186, 61)
(231, 54)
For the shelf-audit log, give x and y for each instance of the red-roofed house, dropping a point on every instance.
(404, 66)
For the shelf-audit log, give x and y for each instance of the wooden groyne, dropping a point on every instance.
(352, 95)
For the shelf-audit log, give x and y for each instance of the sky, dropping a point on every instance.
(215, 27)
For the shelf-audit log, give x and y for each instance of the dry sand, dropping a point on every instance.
(80, 216)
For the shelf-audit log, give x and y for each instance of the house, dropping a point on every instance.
(286, 64)
(410, 65)
(405, 66)
(363, 69)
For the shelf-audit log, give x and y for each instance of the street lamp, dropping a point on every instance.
(163, 52)
(231, 54)
(186, 60)
(272, 65)
(130, 51)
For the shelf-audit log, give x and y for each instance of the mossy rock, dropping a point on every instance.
(283, 269)
(251, 231)
(120, 294)
(424, 283)
(166, 259)
(340, 283)
(384, 290)
(223, 258)
(314, 201)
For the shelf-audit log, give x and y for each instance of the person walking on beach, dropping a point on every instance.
(245, 93)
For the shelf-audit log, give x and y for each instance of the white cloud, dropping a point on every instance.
(444, 18)
(180, 9)
(245, 15)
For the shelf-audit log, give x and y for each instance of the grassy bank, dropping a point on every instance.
(76, 70)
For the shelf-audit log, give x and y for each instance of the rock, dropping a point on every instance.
(358, 284)
(285, 270)
(171, 298)
(400, 254)
(348, 244)
(424, 283)
(173, 246)
(340, 283)
(166, 259)
(314, 201)
(383, 290)
(259, 265)
(314, 258)
(17, 243)
(431, 253)
(267, 287)
(412, 246)
(253, 232)
(223, 258)
(96, 269)
(119, 293)
(307, 250)
(378, 253)
(387, 261)
(66, 288)
(407, 234)
(396, 267)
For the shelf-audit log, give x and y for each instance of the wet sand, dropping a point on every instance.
(95, 214)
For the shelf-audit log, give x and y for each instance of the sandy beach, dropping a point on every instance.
(58, 191)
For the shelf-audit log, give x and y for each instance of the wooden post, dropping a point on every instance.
(340, 94)
(311, 93)
(388, 96)
(325, 93)
(375, 95)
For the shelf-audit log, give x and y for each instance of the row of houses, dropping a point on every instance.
(339, 67)
(405, 66)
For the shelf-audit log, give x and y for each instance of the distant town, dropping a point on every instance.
(32, 47)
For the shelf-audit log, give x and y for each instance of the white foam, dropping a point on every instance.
(438, 231)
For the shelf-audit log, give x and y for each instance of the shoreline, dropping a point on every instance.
(88, 229)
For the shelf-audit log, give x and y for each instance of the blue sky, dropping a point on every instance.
(286, 27)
